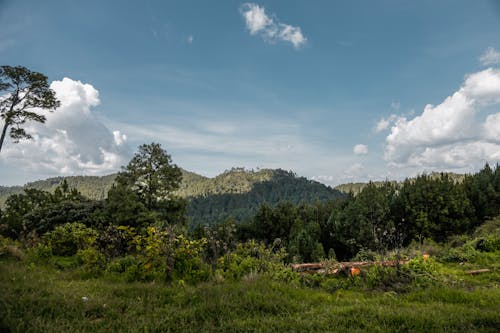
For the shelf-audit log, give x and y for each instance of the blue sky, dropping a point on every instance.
(300, 85)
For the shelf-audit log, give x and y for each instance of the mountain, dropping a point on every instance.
(355, 188)
(236, 192)
(239, 193)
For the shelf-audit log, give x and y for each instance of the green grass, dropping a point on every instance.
(44, 299)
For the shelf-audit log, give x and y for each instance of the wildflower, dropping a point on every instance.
(85, 298)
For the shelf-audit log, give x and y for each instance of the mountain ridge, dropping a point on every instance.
(236, 192)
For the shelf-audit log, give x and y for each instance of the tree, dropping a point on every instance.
(154, 178)
(23, 91)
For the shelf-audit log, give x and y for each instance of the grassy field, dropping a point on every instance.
(44, 299)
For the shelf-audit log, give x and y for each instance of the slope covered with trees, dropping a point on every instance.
(236, 192)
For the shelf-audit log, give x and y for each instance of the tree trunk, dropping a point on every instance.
(4, 131)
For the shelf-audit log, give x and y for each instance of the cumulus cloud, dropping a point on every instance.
(360, 149)
(384, 123)
(449, 135)
(490, 57)
(270, 28)
(72, 141)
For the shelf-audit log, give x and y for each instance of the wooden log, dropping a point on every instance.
(478, 271)
(341, 266)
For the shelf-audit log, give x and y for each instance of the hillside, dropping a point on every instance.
(355, 188)
(239, 193)
(236, 192)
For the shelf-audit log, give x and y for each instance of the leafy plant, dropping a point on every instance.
(67, 239)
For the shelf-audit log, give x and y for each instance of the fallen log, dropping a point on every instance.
(335, 268)
(478, 271)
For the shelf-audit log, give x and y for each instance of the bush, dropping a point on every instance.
(252, 257)
(67, 239)
(40, 253)
(93, 262)
(10, 248)
(365, 255)
(188, 265)
(115, 241)
(120, 265)
(460, 254)
(488, 244)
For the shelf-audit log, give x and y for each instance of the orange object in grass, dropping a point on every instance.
(426, 256)
(355, 271)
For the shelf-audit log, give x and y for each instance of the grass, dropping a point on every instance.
(45, 299)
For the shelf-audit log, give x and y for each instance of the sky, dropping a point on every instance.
(336, 91)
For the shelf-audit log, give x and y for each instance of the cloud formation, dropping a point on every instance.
(360, 149)
(449, 135)
(270, 28)
(384, 123)
(72, 141)
(490, 57)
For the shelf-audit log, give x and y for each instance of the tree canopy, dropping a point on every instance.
(23, 93)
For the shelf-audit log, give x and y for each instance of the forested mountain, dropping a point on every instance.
(92, 187)
(356, 188)
(236, 192)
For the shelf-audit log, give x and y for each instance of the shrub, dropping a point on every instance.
(115, 241)
(40, 253)
(120, 265)
(488, 244)
(67, 239)
(188, 265)
(460, 254)
(252, 257)
(10, 248)
(93, 262)
(365, 255)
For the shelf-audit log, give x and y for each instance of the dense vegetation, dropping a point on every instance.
(236, 192)
(133, 261)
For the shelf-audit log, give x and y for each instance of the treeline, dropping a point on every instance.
(381, 217)
(266, 186)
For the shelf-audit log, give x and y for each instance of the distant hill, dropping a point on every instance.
(236, 192)
(239, 193)
(355, 188)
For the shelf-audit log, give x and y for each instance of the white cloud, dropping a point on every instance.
(190, 39)
(353, 172)
(449, 135)
(211, 145)
(490, 57)
(270, 28)
(72, 141)
(384, 123)
(360, 149)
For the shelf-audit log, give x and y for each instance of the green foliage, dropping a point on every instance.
(121, 264)
(67, 239)
(220, 239)
(115, 241)
(40, 253)
(251, 258)
(152, 176)
(240, 193)
(93, 262)
(10, 248)
(124, 207)
(464, 253)
(365, 255)
(36, 211)
(188, 265)
(23, 93)
(488, 244)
